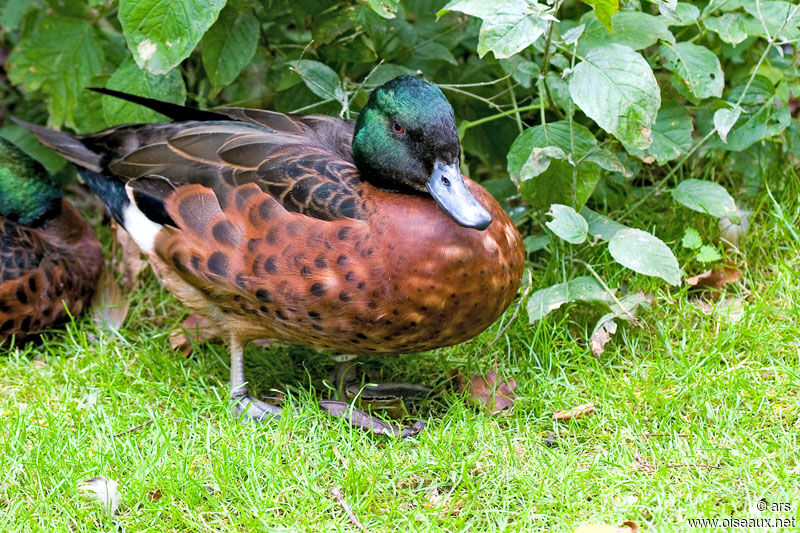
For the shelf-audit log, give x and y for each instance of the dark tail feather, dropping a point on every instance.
(109, 189)
(65, 145)
(176, 112)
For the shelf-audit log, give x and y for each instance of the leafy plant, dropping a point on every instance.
(566, 108)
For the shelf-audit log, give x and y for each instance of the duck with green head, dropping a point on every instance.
(50, 258)
(360, 238)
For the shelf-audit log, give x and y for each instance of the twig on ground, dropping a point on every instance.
(135, 428)
(336, 492)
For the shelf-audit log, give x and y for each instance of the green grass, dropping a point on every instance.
(717, 392)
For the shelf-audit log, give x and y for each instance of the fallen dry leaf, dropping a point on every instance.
(193, 330)
(627, 527)
(154, 495)
(104, 490)
(487, 392)
(586, 409)
(109, 304)
(715, 279)
(602, 334)
(133, 262)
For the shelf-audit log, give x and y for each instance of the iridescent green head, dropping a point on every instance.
(406, 138)
(27, 191)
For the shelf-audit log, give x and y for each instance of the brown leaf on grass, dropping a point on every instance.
(133, 262)
(109, 304)
(193, 330)
(601, 335)
(627, 527)
(154, 495)
(492, 395)
(586, 409)
(715, 279)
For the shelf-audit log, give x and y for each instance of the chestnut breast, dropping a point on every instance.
(448, 283)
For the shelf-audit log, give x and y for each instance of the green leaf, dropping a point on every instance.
(600, 226)
(508, 26)
(520, 69)
(59, 57)
(697, 66)
(580, 289)
(730, 27)
(684, 14)
(645, 254)
(616, 88)
(768, 122)
(386, 72)
(603, 10)
(782, 19)
(534, 243)
(708, 254)
(27, 142)
(12, 13)
(672, 136)
(131, 79)
(553, 184)
(631, 28)
(384, 8)
(321, 79)
(567, 224)
(162, 33)
(691, 239)
(706, 197)
(229, 46)
(724, 119)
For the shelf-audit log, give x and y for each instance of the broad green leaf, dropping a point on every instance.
(508, 26)
(730, 27)
(534, 243)
(28, 143)
(607, 160)
(691, 239)
(782, 19)
(697, 66)
(567, 224)
(131, 79)
(520, 69)
(645, 254)
(724, 119)
(162, 33)
(601, 226)
(321, 79)
(672, 136)
(768, 122)
(580, 289)
(684, 14)
(603, 10)
(706, 197)
(631, 28)
(708, 254)
(12, 13)
(616, 88)
(59, 57)
(554, 184)
(539, 160)
(229, 46)
(384, 8)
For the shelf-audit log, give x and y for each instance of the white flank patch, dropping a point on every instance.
(141, 229)
(146, 49)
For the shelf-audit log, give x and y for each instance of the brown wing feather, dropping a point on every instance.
(297, 164)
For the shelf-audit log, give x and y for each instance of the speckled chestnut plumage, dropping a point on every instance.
(357, 238)
(50, 258)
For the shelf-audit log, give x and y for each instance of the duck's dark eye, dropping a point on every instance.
(397, 128)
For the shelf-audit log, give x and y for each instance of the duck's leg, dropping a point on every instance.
(244, 406)
(347, 385)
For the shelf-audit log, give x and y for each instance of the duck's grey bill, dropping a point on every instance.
(451, 193)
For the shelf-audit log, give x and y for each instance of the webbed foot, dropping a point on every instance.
(246, 408)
